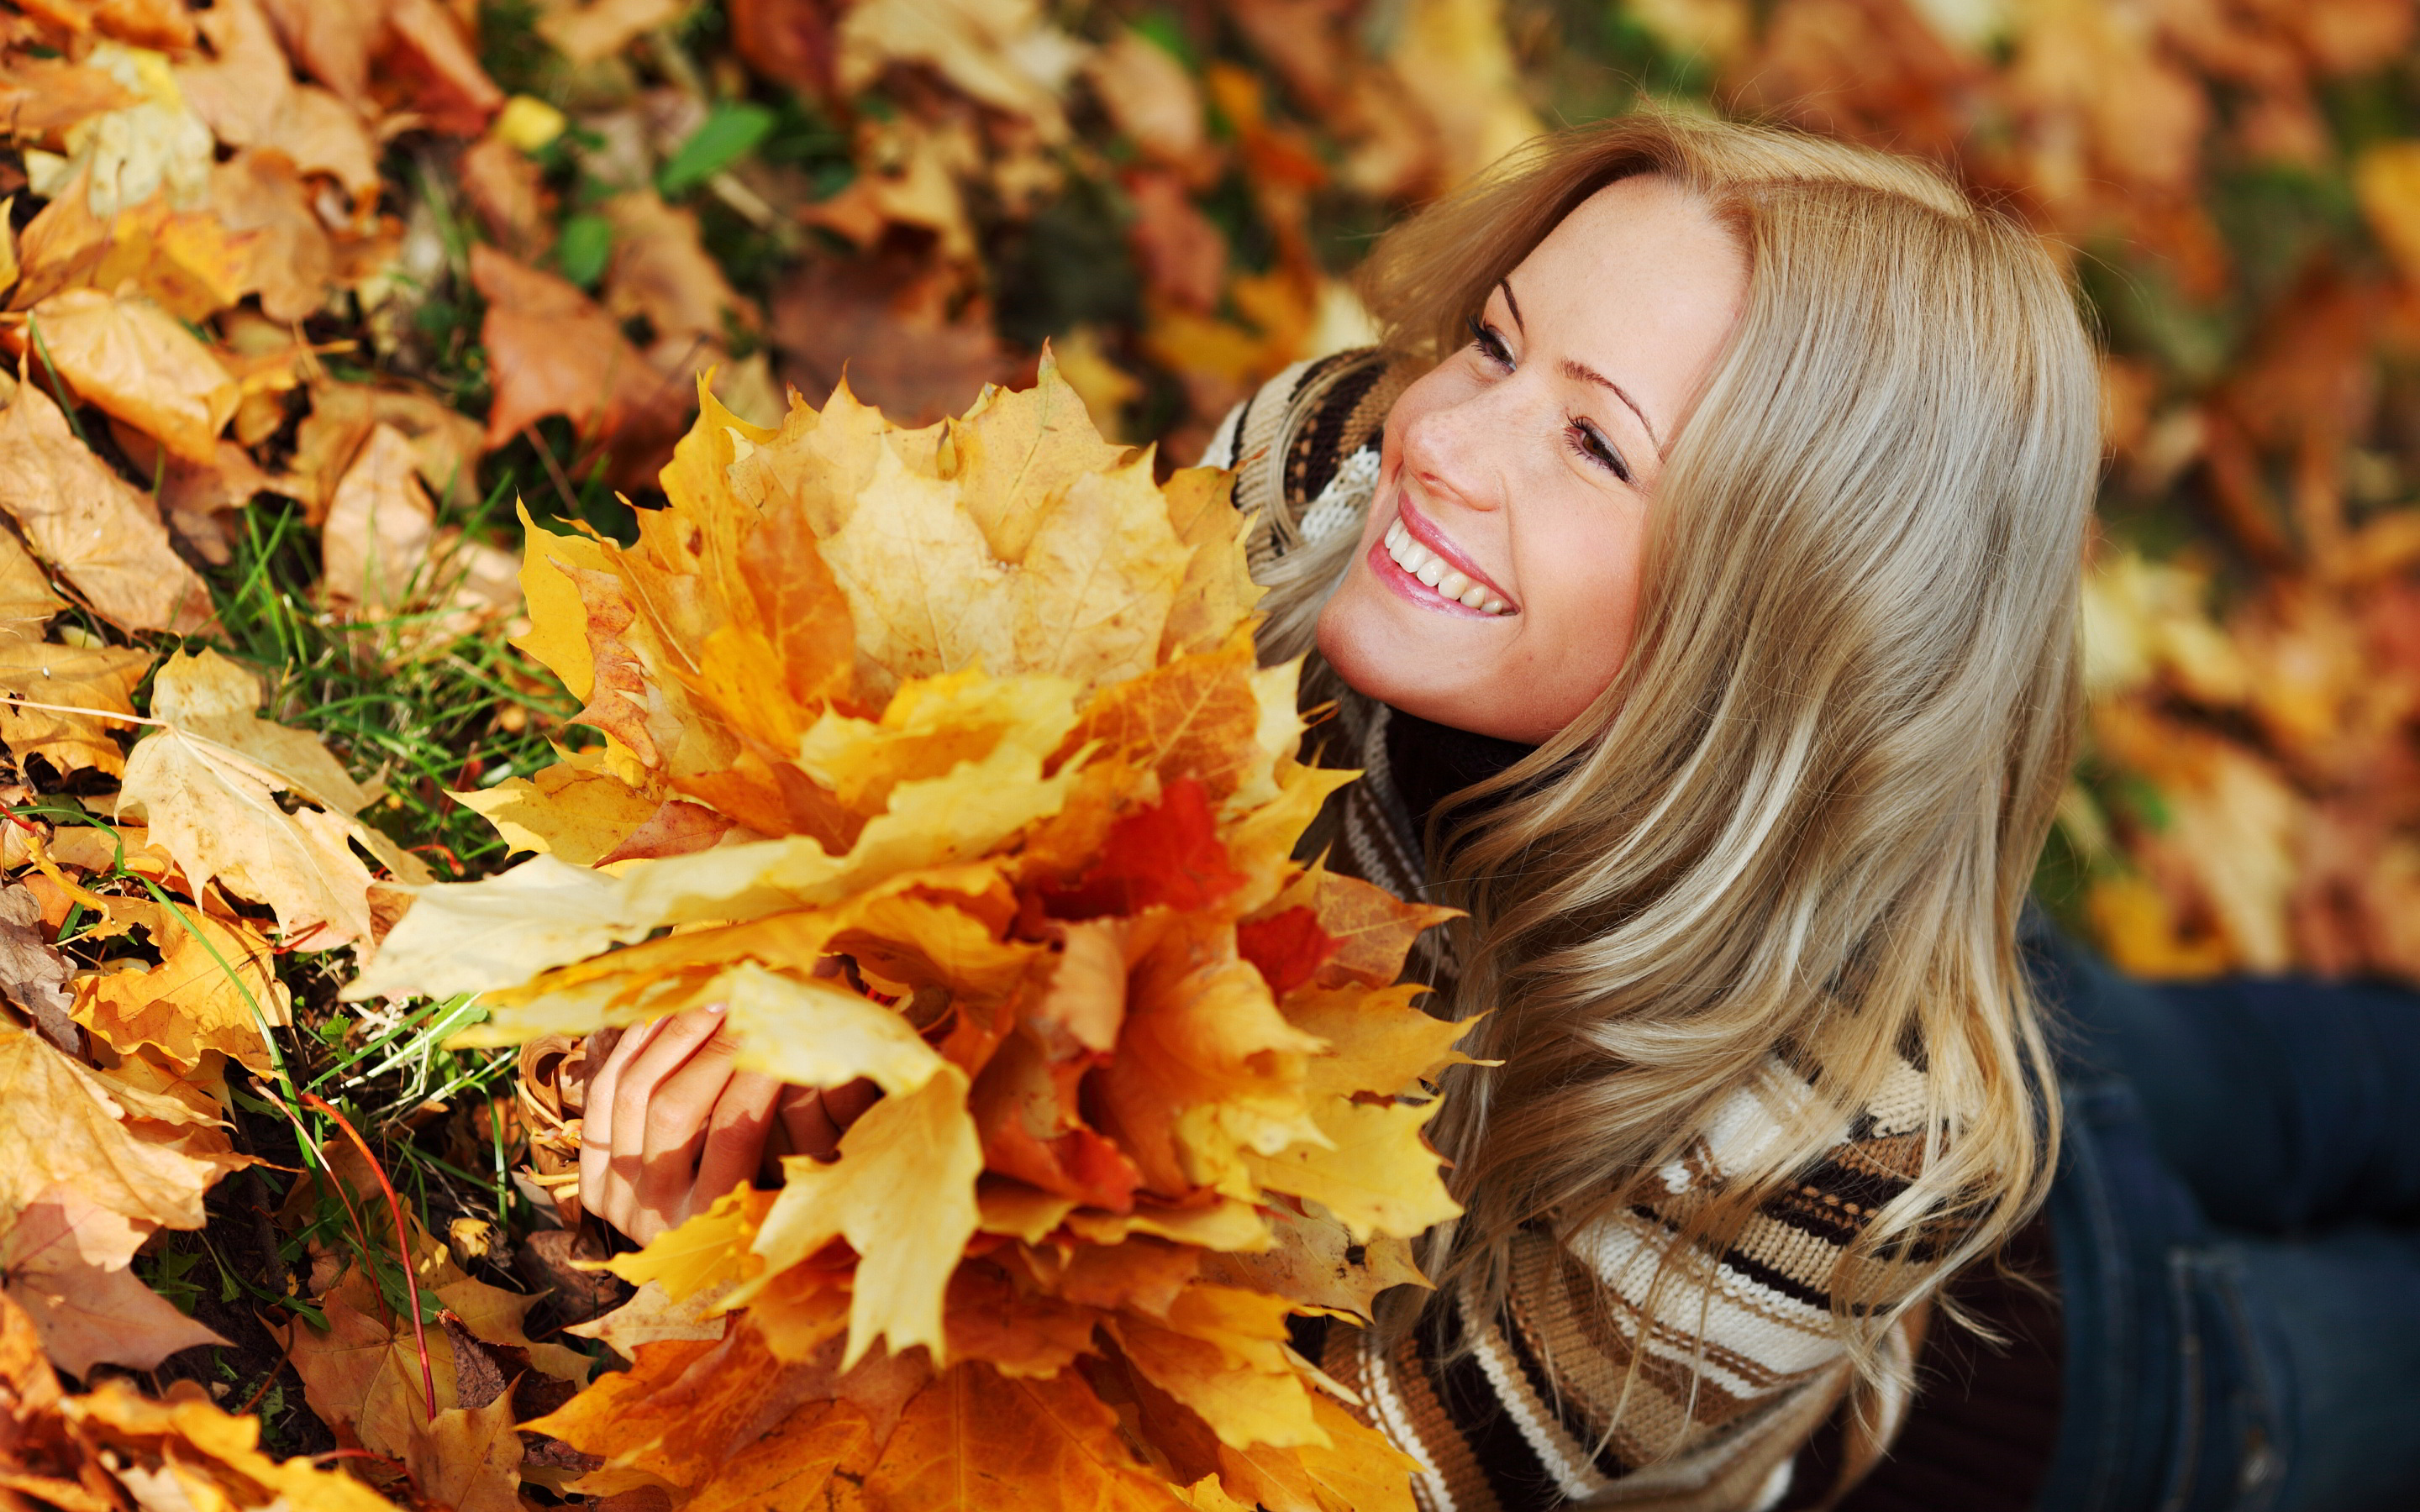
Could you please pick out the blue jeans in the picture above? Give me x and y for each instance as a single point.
(2237, 1227)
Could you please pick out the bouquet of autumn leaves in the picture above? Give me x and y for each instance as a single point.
(942, 758)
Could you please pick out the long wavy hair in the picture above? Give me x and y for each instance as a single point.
(1802, 819)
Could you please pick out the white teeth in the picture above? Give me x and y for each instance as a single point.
(1432, 569)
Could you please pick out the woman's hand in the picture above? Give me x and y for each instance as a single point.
(671, 1125)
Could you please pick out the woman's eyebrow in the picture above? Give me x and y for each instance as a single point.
(1513, 304)
(1589, 375)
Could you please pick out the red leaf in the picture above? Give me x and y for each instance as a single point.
(1288, 948)
(1165, 856)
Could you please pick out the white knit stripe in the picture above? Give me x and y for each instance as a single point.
(1394, 1420)
(1570, 1466)
(1341, 503)
(1781, 1335)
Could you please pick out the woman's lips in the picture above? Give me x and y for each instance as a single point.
(1415, 559)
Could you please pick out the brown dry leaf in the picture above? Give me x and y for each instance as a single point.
(25, 590)
(33, 975)
(468, 1459)
(431, 57)
(508, 190)
(1183, 255)
(91, 525)
(1153, 99)
(215, 989)
(662, 272)
(587, 30)
(292, 266)
(361, 1374)
(86, 1313)
(895, 327)
(332, 40)
(60, 246)
(100, 678)
(789, 41)
(1316, 1261)
(139, 362)
(1002, 53)
(374, 545)
(446, 441)
(553, 352)
(246, 92)
(207, 781)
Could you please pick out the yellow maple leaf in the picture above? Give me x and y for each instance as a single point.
(920, 1142)
(1369, 1166)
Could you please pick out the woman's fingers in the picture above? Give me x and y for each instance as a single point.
(734, 1136)
(635, 1077)
(807, 1128)
(597, 1126)
(847, 1104)
(673, 1132)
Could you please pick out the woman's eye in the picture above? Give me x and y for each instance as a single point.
(1490, 343)
(1590, 443)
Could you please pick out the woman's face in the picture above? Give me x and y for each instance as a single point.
(1498, 576)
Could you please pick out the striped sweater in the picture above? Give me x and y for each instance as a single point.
(1737, 1378)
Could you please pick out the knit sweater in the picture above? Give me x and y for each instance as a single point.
(1734, 1365)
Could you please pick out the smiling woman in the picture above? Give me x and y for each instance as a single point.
(1693, 572)
(1499, 574)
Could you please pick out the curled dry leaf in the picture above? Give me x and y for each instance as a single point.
(116, 1448)
(374, 545)
(91, 524)
(662, 272)
(33, 976)
(246, 90)
(508, 190)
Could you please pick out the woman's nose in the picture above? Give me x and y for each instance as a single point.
(1457, 450)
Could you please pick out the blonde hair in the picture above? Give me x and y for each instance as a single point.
(1804, 818)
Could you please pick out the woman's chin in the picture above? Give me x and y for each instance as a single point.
(1410, 666)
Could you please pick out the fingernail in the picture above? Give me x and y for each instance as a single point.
(716, 1008)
